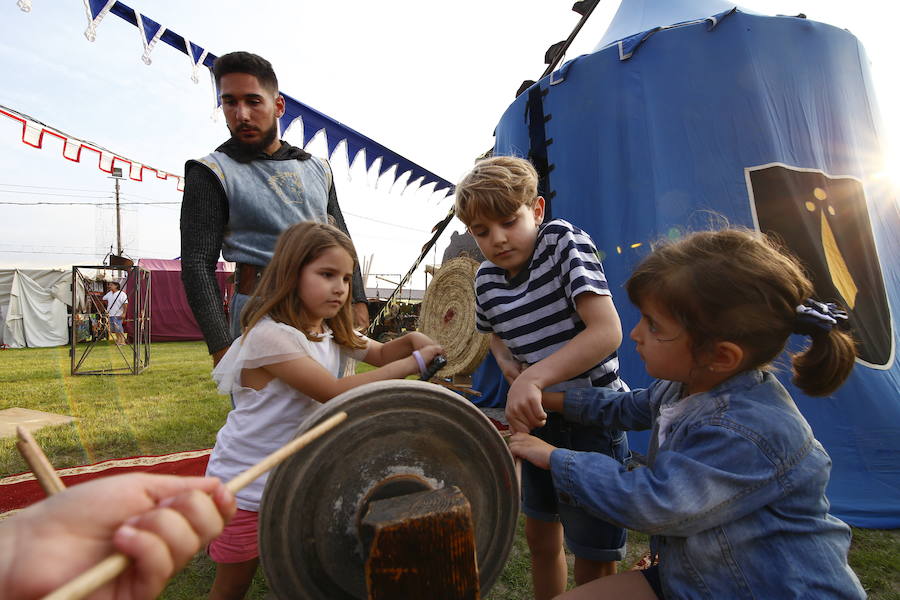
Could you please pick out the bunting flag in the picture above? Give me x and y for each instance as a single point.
(313, 121)
(151, 32)
(33, 132)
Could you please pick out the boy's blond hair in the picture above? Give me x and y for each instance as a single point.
(495, 188)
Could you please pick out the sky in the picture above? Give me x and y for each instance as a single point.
(429, 80)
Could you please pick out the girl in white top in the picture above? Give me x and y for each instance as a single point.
(297, 336)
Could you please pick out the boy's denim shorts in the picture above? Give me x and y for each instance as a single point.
(586, 536)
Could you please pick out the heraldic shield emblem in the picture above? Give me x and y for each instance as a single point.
(825, 222)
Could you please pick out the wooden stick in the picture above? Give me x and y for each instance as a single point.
(282, 453)
(113, 566)
(38, 462)
(458, 388)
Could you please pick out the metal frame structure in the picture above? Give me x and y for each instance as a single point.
(134, 354)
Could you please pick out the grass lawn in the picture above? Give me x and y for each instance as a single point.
(173, 406)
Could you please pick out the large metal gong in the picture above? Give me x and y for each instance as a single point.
(399, 437)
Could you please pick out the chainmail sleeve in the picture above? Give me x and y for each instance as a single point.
(204, 215)
(336, 217)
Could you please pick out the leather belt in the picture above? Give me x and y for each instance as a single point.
(246, 277)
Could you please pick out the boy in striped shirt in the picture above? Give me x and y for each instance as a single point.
(542, 295)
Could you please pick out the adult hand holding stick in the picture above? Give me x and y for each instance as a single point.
(166, 520)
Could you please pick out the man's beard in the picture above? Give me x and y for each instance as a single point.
(251, 150)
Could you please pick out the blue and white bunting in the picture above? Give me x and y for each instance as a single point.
(311, 119)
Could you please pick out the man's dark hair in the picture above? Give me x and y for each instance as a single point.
(249, 63)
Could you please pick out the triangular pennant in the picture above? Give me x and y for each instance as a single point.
(151, 32)
(353, 150)
(331, 142)
(385, 167)
(197, 55)
(308, 134)
(96, 10)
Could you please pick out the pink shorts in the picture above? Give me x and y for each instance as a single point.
(237, 542)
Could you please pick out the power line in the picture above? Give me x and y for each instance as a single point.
(91, 253)
(386, 223)
(106, 195)
(44, 187)
(126, 204)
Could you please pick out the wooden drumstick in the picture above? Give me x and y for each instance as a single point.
(38, 462)
(113, 566)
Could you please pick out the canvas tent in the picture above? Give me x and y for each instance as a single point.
(767, 122)
(33, 307)
(171, 319)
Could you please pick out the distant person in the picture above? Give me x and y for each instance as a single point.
(159, 521)
(298, 335)
(238, 199)
(734, 490)
(116, 307)
(542, 296)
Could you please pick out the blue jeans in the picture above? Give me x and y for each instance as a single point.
(234, 313)
(586, 536)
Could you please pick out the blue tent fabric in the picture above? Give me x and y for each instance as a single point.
(764, 122)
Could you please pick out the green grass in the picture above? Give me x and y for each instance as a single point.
(170, 407)
(173, 406)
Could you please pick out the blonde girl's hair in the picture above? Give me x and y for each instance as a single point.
(278, 292)
(495, 188)
(739, 286)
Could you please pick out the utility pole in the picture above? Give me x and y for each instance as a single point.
(117, 175)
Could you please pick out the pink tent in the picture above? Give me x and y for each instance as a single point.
(171, 319)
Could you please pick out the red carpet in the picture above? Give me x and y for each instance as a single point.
(18, 491)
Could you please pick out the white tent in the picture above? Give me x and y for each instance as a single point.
(33, 311)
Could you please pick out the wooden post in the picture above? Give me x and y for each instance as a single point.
(421, 545)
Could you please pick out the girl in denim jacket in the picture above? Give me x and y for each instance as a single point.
(733, 494)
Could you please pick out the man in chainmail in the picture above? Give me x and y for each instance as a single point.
(239, 198)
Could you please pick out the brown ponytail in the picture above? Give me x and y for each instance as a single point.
(825, 364)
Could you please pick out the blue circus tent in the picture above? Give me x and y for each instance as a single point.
(760, 121)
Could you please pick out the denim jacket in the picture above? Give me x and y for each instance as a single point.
(734, 497)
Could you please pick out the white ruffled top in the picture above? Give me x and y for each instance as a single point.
(264, 420)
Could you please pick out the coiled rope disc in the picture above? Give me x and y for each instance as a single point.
(448, 316)
(396, 432)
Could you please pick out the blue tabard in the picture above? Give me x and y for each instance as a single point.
(265, 197)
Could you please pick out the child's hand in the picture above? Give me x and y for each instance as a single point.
(427, 354)
(534, 450)
(430, 351)
(524, 411)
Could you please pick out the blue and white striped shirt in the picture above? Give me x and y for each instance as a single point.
(534, 312)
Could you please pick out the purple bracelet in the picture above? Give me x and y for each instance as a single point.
(420, 361)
